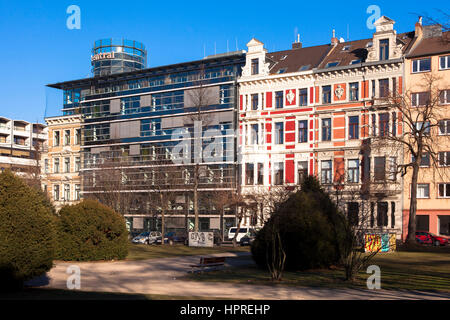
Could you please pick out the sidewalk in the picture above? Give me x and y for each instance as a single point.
(160, 276)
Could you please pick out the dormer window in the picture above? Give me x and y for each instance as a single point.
(255, 66)
(332, 64)
(282, 70)
(346, 48)
(384, 49)
(355, 61)
(304, 68)
(283, 57)
(369, 44)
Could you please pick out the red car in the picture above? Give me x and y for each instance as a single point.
(425, 237)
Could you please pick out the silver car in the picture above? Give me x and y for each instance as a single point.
(146, 237)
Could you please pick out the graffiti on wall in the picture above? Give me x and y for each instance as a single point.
(383, 242)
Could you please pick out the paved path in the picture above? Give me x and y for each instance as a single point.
(160, 276)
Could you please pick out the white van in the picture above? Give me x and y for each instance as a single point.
(242, 232)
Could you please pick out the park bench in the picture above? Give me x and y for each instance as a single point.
(209, 263)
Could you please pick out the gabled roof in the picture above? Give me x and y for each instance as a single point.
(293, 60)
(431, 46)
(358, 49)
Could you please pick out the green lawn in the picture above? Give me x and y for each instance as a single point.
(426, 271)
(143, 251)
(58, 294)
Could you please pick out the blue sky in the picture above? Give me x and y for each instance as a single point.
(38, 49)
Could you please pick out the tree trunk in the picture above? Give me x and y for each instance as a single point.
(196, 198)
(163, 222)
(411, 238)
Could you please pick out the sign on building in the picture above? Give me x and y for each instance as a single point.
(201, 239)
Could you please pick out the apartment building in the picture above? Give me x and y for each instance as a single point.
(21, 143)
(427, 79)
(61, 161)
(319, 111)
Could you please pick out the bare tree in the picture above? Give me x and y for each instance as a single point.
(200, 99)
(420, 120)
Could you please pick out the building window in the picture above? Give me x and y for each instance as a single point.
(373, 89)
(255, 101)
(66, 165)
(255, 66)
(394, 124)
(279, 133)
(383, 121)
(326, 129)
(260, 173)
(383, 88)
(423, 190)
(303, 131)
(56, 138)
(249, 174)
(353, 127)
(67, 192)
(444, 190)
(56, 165)
(77, 136)
(379, 168)
(444, 127)
(354, 91)
(392, 214)
(444, 96)
(384, 49)
(420, 99)
(382, 214)
(279, 99)
(56, 192)
(302, 171)
(326, 94)
(46, 166)
(444, 158)
(326, 172)
(332, 64)
(421, 65)
(392, 168)
(77, 164)
(66, 137)
(353, 171)
(303, 97)
(423, 127)
(77, 192)
(254, 134)
(278, 173)
(353, 213)
(425, 160)
(444, 62)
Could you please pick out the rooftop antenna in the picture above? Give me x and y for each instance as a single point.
(348, 33)
(237, 45)
(215, 51)
(298, 37)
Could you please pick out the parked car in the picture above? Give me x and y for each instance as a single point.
(141, 238)
(247, 240)
(425, 237)
(147, 237)
(173, 237)
(242, 232)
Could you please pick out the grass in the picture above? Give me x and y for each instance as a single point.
(143, 251)
(59, 294)
(424, 271)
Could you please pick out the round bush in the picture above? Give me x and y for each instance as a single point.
(91, 231)
(27, 231)
(311, 228)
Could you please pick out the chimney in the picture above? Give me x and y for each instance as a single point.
(334, 40)
(297, 44)
(418, 28)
